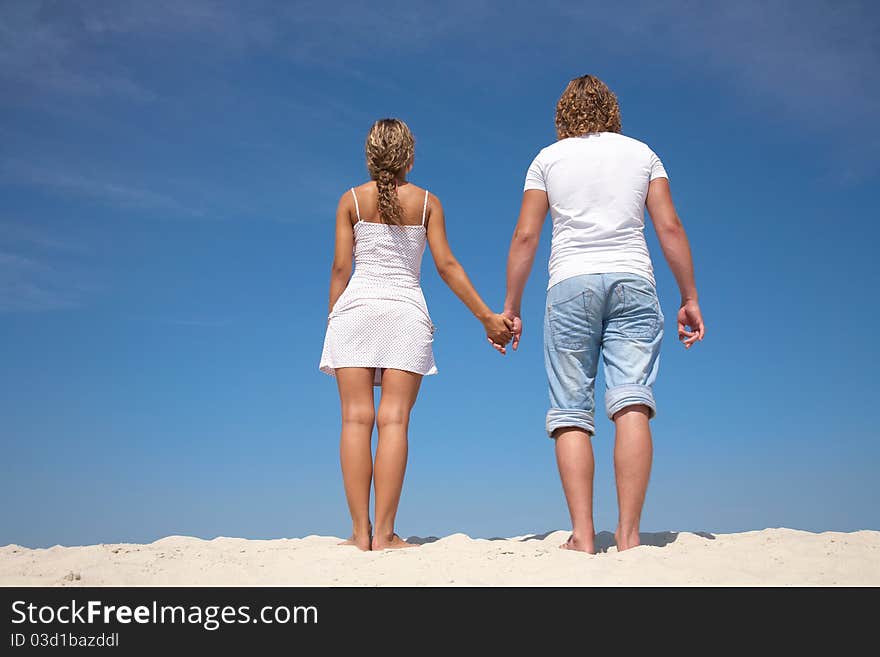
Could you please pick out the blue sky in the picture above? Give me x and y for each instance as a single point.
(168, 176)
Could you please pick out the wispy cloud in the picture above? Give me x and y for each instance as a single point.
(817, 64)
(788, 51)
(184, 322)
(38, 53)
(102, 190)
(14, 234)
(41, 271)
(61, 47)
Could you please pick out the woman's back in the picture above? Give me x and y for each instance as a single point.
(389, 255)
(410, 196)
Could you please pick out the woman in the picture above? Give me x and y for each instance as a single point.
(379, 332)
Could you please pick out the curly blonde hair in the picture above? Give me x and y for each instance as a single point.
(390, 150)
(587, 105)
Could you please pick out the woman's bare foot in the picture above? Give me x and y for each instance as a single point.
(626, 540)
(394, 542)
(579, 545)
(360, 540)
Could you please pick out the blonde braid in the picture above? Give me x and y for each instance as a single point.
(390, 150)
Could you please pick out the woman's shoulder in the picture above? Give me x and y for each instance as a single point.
(416, 190)
(419, 191)
(368, 186)
(359, 193)
(423, 199)
(423, 194)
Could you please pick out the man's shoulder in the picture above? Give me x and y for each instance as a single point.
(606, 138)
(579, 147)
(543, 152)
(551, 151)
(636, 145)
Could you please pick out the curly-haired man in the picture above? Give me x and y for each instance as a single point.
(601, 298)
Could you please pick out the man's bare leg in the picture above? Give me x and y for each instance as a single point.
(633, 452)
(574, 456)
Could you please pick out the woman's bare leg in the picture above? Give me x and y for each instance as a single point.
(399, 392)
(574, 456)
(633, 452)
(358, 412)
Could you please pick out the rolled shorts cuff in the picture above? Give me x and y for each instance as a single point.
(619, 397)
(569, 417)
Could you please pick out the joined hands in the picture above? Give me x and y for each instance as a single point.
(499, 335)
(499, 330)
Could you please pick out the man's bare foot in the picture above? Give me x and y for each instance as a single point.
(626, 541)
(394, 542)
(579, 545)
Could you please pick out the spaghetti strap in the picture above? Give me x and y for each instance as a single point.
(425, 208)
(356, 208)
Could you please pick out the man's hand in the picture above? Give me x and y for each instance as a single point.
(690, 324)
(517, 326)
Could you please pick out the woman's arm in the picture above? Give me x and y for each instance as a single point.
(676, 248)
(340, 272)
(453, 274)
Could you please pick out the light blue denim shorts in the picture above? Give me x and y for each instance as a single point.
(616, 315)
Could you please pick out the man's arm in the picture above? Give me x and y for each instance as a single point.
(522, 253)
(677, 250)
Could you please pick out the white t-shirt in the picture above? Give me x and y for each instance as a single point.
(596, 185)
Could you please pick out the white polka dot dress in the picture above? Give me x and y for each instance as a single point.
(381, 320)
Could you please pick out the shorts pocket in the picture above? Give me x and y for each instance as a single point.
(641, 316)
(568, 322)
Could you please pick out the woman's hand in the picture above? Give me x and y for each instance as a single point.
(499, 330)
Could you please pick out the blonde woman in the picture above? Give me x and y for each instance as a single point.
(379, 332)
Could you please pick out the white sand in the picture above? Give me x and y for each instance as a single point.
(768, 557)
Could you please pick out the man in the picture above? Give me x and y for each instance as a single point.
(601, 298)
